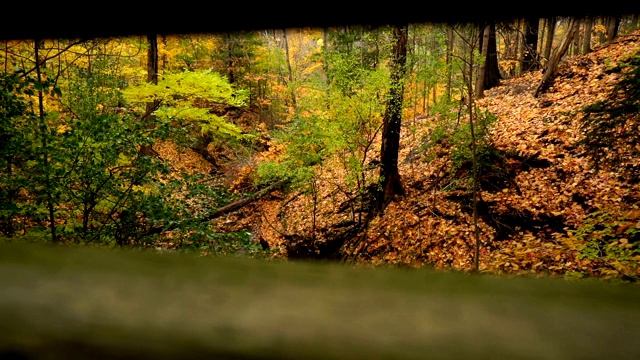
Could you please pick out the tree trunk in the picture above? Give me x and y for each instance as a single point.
(492, 75)
(152, 77)
(519, 45)
(163, 59)
(470, 108)
(392, 121)
(325, 50)
(44, 132)
(551, 30)
(586, 39)
(575, 48)
(612, 28)
(552, 66)
(484, 45)
(289, 70)
(230, 71)
(530, 59)
(450, 43)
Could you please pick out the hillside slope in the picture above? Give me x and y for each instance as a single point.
(538, 191)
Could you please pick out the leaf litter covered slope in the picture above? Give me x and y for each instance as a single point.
(523, 223)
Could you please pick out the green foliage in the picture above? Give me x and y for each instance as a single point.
(610, 125)
(353, 56)
(102, 179)
(345, 128)
(17, 125)
(610, 237)
(103, 191)
(186, 96)
(461, 152)
(454, 135)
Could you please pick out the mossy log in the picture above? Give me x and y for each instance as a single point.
(61, 302)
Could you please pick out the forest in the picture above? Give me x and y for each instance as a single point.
(500, 147)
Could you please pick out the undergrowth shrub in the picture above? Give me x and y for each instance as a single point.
(611, 238)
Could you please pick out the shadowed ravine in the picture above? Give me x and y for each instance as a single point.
(77, 303)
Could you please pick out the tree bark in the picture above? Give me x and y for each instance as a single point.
(530, 59)
(552, 66)
(152, 77)
(489, 72)
(480, 77)
(230, 71)
(612, 28)
(450, 43)
(289, 70)
(586, 39)
(577, 41)
(392, 121)
(44, 132)
(551, 30)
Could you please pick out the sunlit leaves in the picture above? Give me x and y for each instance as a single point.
(179, 95)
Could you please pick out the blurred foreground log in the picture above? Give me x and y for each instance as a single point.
(88, 303)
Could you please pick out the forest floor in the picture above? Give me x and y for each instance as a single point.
(539, 193)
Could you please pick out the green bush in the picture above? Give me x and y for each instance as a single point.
(611, 238)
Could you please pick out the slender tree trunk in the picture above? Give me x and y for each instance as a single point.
(163, 58)
(470, 109)
(325, 50)
(152, 77)
(289, 70)
(450, 43)
(392, 121)
(520, 49)
(551, 30)
(484, 46)
(586, 39)
(541, 41)
(230, 72)
(44, 130)
(574, 48)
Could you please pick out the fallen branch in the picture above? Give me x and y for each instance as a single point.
(229, 208)
(244, 201)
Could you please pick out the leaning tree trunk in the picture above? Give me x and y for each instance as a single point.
(552, 66)
(392, 121)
